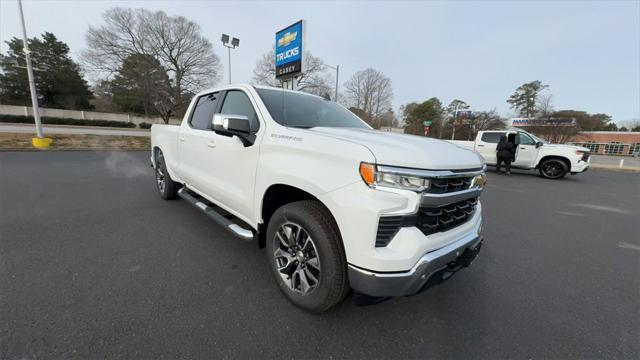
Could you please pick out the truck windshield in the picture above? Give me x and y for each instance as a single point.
(299, 110)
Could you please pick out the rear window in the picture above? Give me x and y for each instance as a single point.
(492, 137)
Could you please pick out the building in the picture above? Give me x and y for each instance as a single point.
(624, 143)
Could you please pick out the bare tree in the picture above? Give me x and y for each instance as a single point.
(174, 41)
(544, 105)
(488, 120)
(315, 79)
(369, 90)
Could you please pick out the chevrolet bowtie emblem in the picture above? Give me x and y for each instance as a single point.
(287, 38)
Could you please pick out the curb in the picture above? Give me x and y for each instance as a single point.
(614, 168)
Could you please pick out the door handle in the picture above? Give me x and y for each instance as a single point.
(211, 144)
(181, 138)
(480, 145)
(523, 148)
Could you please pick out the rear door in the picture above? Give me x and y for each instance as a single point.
(196, 144)
(486, 145)
(527, 151)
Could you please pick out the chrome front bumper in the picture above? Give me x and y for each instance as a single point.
(459, 253)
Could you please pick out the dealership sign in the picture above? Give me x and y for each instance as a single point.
(289, 48)
(552, 121)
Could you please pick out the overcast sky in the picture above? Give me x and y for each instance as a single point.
(588, 52)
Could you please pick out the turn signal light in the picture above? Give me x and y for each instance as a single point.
(368, 173)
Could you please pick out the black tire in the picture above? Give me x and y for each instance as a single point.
(325, 249)
(553, 169)
(167, 188)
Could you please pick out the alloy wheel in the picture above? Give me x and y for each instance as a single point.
(552, 169)
(296, 258)
(160, 178)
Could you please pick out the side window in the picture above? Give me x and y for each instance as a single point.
(524, 139)
(492, 137)
(203, 112)
(236, 102)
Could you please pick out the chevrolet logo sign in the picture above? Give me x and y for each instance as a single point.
(287, 38)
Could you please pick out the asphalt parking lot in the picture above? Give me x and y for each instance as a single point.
(93, 264)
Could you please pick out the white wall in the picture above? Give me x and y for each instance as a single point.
(81, 115)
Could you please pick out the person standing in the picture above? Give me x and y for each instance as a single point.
(506, 154)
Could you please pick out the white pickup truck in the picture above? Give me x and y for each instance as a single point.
(337, 204)
(553, 161)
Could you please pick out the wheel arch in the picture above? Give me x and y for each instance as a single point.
(278, 195)
(557, 157)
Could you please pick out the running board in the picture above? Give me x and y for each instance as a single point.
(234, 228)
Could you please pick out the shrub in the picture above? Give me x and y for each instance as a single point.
(20, 119)
(144, 125)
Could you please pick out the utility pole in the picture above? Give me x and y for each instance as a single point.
(32, 84)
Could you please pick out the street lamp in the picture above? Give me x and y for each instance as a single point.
(40, 141)
(337, 69)
(235, 42)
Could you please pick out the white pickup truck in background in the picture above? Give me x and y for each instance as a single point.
(337, 204)
(553, 161)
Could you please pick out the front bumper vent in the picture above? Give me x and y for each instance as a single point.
(388, 226)
(429, 220)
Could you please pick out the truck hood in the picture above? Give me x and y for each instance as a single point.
(571, 148)
(407, 150)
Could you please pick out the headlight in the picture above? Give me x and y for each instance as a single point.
(479, 180)
(373, 176)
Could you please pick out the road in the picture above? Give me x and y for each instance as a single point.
(62, 129)
(93, 264)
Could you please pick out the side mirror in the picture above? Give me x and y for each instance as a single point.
(234, 124)
(238, 125)
(539, 143)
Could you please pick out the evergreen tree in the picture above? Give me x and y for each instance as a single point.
(59, 82)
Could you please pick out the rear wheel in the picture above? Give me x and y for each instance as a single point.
(167, 188)
(553, 169)
(306, 256)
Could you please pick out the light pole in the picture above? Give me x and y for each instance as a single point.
(235, 42)
(337, 69)
(40, 141)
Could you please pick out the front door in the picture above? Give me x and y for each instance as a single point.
(232, 170)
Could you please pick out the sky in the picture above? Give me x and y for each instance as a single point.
(588, 52)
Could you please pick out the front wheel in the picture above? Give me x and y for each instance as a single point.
(553, 169)
(306, 256)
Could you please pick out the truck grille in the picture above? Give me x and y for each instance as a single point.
(427, 220)
(433, 220)
(451, 184)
